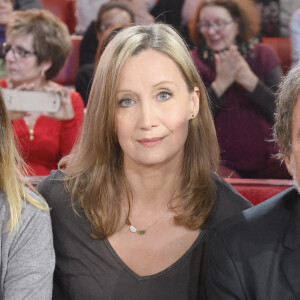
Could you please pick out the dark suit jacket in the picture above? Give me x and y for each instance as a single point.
(256, 254)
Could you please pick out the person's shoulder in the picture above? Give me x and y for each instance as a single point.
(228, 201)
(52, 187)
(30, 214)
(86, 69)
(267, 218)
(4, 211)
(264, 49)
(76, 100)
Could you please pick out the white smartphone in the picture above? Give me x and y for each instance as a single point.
(18, 100)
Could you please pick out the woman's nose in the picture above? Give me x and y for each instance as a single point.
(147, 118)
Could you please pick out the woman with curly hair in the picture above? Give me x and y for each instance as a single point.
(242, 76)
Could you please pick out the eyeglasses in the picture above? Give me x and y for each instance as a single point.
(18, 52)
(217, 25)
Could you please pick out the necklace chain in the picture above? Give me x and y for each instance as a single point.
(133, 229)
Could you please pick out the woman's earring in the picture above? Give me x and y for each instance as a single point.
(193, 116)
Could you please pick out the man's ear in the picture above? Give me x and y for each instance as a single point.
(289, 164)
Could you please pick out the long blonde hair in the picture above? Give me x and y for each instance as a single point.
(94, 169)
(13, 170)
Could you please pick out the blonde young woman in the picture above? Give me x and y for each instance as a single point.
(131, 211)
(26, 253)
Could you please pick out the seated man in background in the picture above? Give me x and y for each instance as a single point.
(256, 254)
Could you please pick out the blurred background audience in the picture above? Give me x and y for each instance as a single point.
(109, 14)
(27, 4)
(86, 72)
(6, 10)
(81, 18)
(37, 45)
(242, 76)
(295, 36)
(276, 15)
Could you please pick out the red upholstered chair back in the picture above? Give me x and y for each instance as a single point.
(282, 46)
(63, 9)
(259, 190)
(255, 190)
(67, 74)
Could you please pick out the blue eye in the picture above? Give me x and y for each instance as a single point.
(126, 102)
(163, 96)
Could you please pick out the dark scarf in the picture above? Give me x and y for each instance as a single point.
(243, 47)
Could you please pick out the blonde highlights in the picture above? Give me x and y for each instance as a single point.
(12, 179)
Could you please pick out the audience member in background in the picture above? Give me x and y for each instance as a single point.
(255, 255)
(109, 14)
(295, 36)
(141, 10)
(242, 77)
(86, 12)
(6, 9)
(27, 4)
(26, 254)
(276, 15)
(85, 74)
(170, 12)
(36, 48)
(131, 210)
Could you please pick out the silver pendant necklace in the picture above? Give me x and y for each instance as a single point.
(133, 229)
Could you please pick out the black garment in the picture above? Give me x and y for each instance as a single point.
(169, 12)
(84, 81)
(256, 254)
(28, 4)
(88, 46)
(88, 268)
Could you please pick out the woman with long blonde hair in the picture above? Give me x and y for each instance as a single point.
(131, 211)
(27, 255)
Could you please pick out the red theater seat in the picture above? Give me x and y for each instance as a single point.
(255, 190)
(67, 74)
(63, 9)
(259, 190)
(282, 46)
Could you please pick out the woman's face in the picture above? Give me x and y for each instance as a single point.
(217, 27)
(6, 9)
(21, 62)
(153, 110)
(112, 17)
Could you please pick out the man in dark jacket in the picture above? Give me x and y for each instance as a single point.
(256, 254)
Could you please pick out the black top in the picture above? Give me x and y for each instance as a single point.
(84, 80)
(88, 268)
(256, 254)
(88, 46)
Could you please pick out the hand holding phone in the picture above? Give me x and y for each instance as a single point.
(26, 101)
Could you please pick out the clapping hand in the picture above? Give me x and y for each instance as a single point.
(226, 69)
(232, 67)
(244, 75)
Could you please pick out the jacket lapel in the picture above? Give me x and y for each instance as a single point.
(291, 262)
